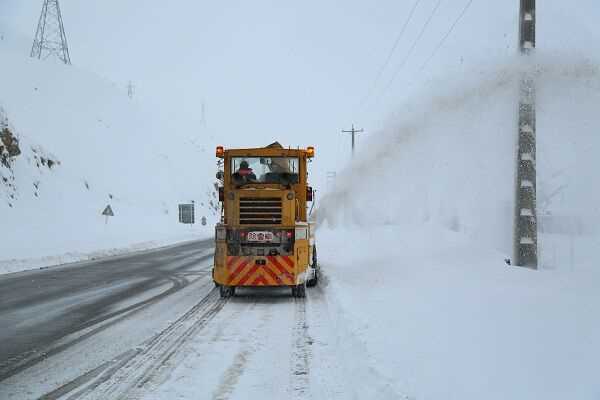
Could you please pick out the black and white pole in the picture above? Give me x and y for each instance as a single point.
(525, 238)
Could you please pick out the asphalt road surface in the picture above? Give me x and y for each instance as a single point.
(152, 326)
(46, 312)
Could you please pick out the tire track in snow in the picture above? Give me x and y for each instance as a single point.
(233, 373)
(301, 353)
(124, 376)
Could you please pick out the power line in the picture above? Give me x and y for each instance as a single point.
(412, 48)
(441, 43)
(391, 53)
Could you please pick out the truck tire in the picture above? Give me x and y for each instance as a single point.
(226, 291)
(314, 281)
(299, 291)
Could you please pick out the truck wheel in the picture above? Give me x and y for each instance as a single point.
(299, 291)
(226, 291)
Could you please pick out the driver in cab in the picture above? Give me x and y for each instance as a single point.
(279, 166)
(244, 173)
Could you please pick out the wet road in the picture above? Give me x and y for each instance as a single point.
(39, 308)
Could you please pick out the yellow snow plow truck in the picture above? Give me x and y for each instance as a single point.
(265, 237)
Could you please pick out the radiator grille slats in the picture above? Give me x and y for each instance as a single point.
(260, 211)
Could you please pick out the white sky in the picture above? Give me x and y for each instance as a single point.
(277, 70)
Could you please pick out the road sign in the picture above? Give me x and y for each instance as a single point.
(108, 212)
(186, 213)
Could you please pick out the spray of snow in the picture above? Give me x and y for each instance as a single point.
(448, 157)
(412, 240)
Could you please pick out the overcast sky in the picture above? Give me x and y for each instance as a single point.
(273, 69)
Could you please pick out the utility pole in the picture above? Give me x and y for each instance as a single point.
(353, 132)
(50, 38)
(525, 237)
(130, 89)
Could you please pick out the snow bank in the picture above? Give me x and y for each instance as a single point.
(106, 149)
(436, 317)
(24, 264)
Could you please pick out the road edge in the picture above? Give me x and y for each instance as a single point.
(98, 255)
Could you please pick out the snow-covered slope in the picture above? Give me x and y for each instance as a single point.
(107, 149)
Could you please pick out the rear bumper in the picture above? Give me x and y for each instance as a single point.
(259, 271)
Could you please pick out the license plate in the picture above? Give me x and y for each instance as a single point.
(260, 236)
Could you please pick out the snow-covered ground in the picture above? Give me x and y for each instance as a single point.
(424, 314)
(435, 316)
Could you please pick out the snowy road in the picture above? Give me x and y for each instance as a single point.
(152, 326)
(57, 323)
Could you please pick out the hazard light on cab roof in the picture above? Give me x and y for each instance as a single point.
(310, 152)
(220, 152)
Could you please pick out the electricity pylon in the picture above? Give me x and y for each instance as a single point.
(50, 38)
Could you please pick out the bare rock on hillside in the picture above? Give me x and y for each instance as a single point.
(9, 147)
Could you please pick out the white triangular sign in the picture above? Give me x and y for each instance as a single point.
(108, 211)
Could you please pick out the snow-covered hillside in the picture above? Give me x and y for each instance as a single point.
(106, 149)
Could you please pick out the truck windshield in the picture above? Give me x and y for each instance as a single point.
(278, 170)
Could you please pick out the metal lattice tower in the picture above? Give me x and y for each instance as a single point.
(526, 240)
(50, 38)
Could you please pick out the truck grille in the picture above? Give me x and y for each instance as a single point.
(260, 211)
